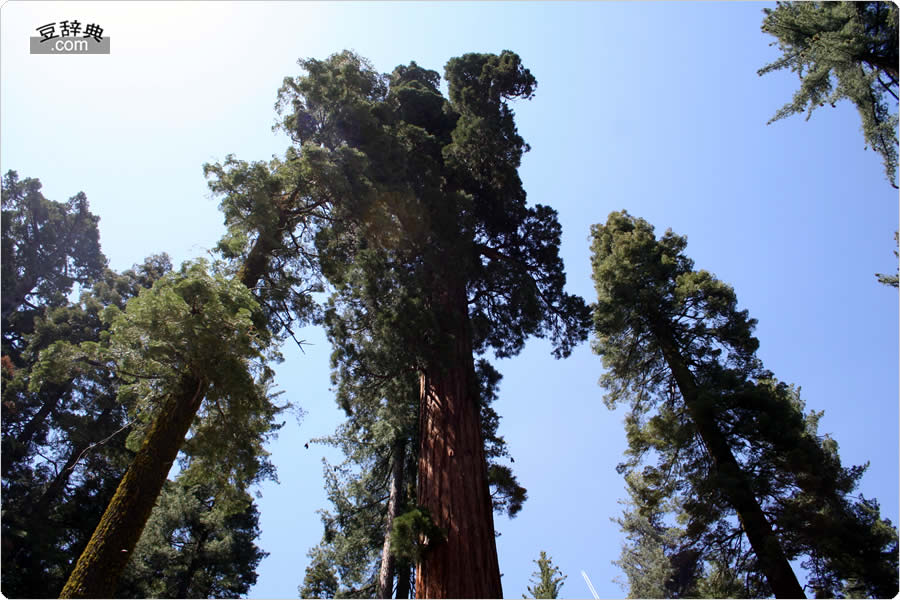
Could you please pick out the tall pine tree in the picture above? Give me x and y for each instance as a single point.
(731, 440)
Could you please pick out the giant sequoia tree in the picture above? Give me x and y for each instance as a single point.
(731, 441)
(363, 549)
(431, 202)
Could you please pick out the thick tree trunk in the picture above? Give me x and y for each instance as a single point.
(772, 560)
(395, 501)
(452, 473)
(97, 571)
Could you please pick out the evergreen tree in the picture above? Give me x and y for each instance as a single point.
(842, 50)
(200, 336)
(731, 441)
(359, 532)
(547, 580)
(59, 480)
(198, 543)
(47, 248)
(429, 202)
(660, 559)
(191, 335)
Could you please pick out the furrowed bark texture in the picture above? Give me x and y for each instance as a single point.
(772, 560)
(388, 561)
(452, 473)
(97, 572)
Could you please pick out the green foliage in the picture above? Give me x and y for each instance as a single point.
(195, 546)
(47, 248)
(270, 211)
(842, 50)
(891, 280)
(63, 442)
(547, 580)
(320, 580)
(110, 361)
(413, 533)
(645, 554)
(648, 291)
(412, 197)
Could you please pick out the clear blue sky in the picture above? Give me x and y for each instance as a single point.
(652, 107)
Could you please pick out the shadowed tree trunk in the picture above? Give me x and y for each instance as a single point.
(388, 561)
(769, 553)
(188, 577)
(452, 473)
(403, 573)
(97, 571)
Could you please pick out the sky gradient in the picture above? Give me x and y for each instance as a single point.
(651, 107)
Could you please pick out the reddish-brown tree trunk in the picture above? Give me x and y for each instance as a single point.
(97, 571)
(452, 472)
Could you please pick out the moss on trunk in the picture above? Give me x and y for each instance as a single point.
(97, 571)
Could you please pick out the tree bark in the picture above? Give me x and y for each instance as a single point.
(452, 473)
(97, 571)
(388, 561)
(766, 545)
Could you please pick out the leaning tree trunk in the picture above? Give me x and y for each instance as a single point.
(395, 501)
(97, 571)
(766, 545)
(452, 472)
